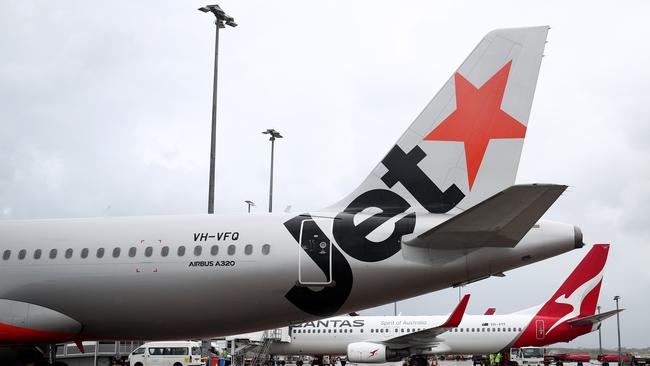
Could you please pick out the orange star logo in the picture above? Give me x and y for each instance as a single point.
(478, 118)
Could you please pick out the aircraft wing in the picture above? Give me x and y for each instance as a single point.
(500, 221)
(593, 319)
(428, 336)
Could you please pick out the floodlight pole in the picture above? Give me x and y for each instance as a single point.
(249, 203)
(618, 329)
(220, 18)
(271, 180)
(600, 340)
(274, 134)
(213, 131)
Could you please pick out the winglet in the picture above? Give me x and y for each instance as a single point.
(80, 345)
(490, 311)
(454, 319)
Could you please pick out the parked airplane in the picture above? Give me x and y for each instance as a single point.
(440, 209)
(569, 313)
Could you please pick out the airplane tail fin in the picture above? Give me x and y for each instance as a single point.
(465, 145)
(576, 299)
(581, 289)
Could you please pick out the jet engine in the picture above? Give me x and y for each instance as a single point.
(367, 352)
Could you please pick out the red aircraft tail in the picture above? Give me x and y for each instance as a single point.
(576, 298)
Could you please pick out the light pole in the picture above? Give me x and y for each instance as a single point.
(600, 340)
(274, 134)
(221, 18)
(249, 203)
(618, 329)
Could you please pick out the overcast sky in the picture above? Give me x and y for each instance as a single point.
(105, 110)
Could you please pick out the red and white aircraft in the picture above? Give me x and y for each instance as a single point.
(569, 313)
(440, 209)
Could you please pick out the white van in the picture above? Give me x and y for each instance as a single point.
(178, 353)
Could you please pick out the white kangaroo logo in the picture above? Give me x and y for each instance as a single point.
(576, 298)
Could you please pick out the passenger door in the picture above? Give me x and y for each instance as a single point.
(315, 253)
(539, 329)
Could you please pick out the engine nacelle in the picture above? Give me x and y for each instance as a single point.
(367, 352)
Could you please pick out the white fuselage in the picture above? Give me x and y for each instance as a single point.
(476, 334)
(138, 294)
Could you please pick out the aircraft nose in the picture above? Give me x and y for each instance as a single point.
(578, 237)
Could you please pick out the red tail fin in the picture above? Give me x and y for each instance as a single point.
(577, 297)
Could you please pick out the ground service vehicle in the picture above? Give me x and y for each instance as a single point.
(527, 356)
(178, 353)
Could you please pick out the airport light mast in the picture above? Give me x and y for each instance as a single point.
(618, 330)
(600, 340)
(274, 134)
(221, 19)
(249, 203)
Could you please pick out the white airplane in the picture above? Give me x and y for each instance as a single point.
(569, 313)
(440, 209)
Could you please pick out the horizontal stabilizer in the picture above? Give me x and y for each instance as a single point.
(499, 221)
(593, 319)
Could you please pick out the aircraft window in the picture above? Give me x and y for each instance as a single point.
(37, 254)
(266, 249)
(197, 250)
(214, 250)
(461, 329)
(361, 330)
(6, 255)
(53, 253)
(520, 329)
(22, 254)
(68, 253)
(248, 249)
(116, 252)
(509, 329)
(181, 251)
(231, 249)
(164, 251)
(493, 330)
(84, 253)
(329, 331)
(100, 253)
(148, 251)
(372, 330)
(132, 251)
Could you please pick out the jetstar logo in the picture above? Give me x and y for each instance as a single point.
(352, 237)
(372, 353)
(478, 118)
